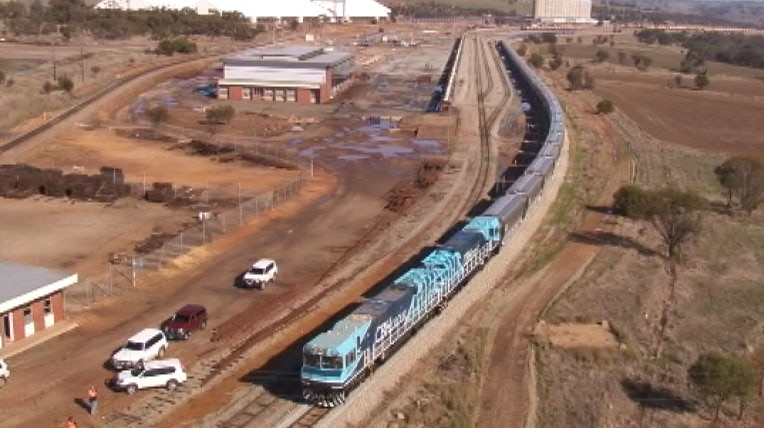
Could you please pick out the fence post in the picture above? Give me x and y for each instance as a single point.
(204, 230)
(133, 268)
(241, 208)
(181, 242)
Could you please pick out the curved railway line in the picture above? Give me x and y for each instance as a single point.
(303, 415)
(252, 410)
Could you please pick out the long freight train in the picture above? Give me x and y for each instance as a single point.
(334, 362)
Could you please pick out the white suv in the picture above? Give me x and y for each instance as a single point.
(154, 374)
(146, 345)
(5, 373)
(262, 272)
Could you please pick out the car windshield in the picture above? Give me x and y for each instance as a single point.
(257, 271)
(331, 362)
(136, 371)
(134, 346)
(180, 318)
(311, 360)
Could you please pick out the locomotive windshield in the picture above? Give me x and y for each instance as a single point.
(311, 360)
(331, 362)
(323, 362)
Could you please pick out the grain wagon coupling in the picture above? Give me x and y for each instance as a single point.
(337, 360)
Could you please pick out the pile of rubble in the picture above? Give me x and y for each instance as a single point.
(428, 171)
(400, 198)
(23, 181)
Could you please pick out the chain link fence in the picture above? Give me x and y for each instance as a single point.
(128, 271)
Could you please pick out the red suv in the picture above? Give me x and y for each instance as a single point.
(185, 321)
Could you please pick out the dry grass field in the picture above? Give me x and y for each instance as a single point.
(584, 379)
(677, 136)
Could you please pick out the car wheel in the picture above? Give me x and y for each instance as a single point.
(160, 354)
(186, 335)
(139, 364)
(131, 389)
(204, 325)
(172, 385)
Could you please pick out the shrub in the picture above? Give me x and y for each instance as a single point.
(48, 87)
(579, 78)
(555, 63)
(522, 50)
(632, 201)
(65, 83)
(536, 60)
(602, 55)
(701, 81)
(605, 107)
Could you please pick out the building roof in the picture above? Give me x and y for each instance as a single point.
(22, 284)
(289, 57)
(262, 8)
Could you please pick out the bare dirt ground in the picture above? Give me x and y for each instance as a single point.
(722, 118)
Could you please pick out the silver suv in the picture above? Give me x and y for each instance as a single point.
(146, 345)
(5, 373)
(154, 374)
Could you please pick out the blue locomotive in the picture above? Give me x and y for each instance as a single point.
(335, 361)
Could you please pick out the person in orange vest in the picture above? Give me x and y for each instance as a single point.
(93, 399)
(70, 423)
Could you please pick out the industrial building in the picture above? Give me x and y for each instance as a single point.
(563, 11)
(303, 74)
(299, 10)
(31, 300)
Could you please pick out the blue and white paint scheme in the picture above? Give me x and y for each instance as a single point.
(334, 362)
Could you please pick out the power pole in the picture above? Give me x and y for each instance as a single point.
(82, 62)
(54, 63)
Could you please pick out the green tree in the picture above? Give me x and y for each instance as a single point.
(158, 115)
(602, 55)
(701, 81)
(48, 87)
(675, 216)
(718, 378)
(549, 38)
(642, 62)
(742, 176)
(536, 60)
(605, 107)
(216, 116)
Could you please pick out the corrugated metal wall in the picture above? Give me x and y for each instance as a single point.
(271, 74)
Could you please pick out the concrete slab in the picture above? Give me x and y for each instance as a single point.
(10, 349)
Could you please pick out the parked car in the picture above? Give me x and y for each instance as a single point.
(146, 345)
(5, 373)
(167, 373)
(186, 320)
(262, 272)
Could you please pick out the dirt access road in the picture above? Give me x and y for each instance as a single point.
(508, 391)
(49, 378)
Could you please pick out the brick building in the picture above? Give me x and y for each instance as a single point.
(31, 300)
(302, 74)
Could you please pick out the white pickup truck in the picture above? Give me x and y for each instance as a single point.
(5, 373)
